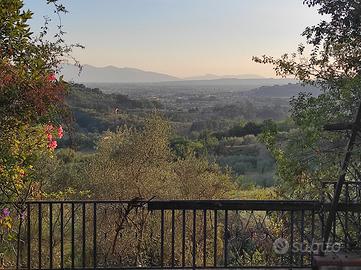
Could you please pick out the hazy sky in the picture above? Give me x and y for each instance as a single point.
(182, 37)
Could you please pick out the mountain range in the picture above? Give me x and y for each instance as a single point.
(112, 74)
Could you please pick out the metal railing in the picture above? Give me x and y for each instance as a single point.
(175, 234)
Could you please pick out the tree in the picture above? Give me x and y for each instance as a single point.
(310, 154)
(32, 107)
(141, 163)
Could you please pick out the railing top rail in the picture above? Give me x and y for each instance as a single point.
(250, 205)
(78, 201)
(257, 205)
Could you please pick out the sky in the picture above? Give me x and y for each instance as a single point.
(181, 37)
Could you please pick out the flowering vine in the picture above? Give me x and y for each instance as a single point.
(51, 135)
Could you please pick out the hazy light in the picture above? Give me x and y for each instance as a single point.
(182, 37)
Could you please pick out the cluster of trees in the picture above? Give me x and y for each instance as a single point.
(252, 111)
(311, 155)
(136, 163)
(86, 98)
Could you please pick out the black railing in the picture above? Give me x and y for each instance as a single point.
(233, 234)
(348, 221)
(175, 234)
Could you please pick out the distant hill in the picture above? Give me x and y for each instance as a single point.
(111, 74)
(243, 84)
(114, 75)
(94, 111)
(216, 77)
(287, 91)
(191, 86)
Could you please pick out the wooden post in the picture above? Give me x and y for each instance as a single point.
(336, 197)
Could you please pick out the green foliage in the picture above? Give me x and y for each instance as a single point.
(32, 108)
(248, 129)
(184, 147)
(88, 98)
(139, 163)
(30, 96)
(311, 155)
(249, 161)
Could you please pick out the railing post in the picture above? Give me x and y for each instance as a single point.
(95, 235)
(173, 239)
(183, 237)
(51, 235)
(215, 238)
(204, 238)
(83, 235)
(162, 238)
(225, 237)
(40, 236)
(194, 239)
(62, 235)
(291, 243)
(72, 235)
(28, 215)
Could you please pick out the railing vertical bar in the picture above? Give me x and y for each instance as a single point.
(215, 238)
(51, 235)
(291, 244)
(95, 235)
(162, 238)
(152, 257)
(72, 235)
(194, 239)
(302, 234)
(283, 259)
(346, 215)
(173, 237)
(183, 237)
(204, 238)
(334, 228)
(225, 238)
(62, 235)
(40, 228)
(358, 200)
(322, 219)
(334, 219)
(312, 230)
(83, 235)
(28, 214)
(105, 237)
(359, 226)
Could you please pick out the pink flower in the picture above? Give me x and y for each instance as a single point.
(51, 77)
(60, 132)
(50, 137)
(52, 145)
